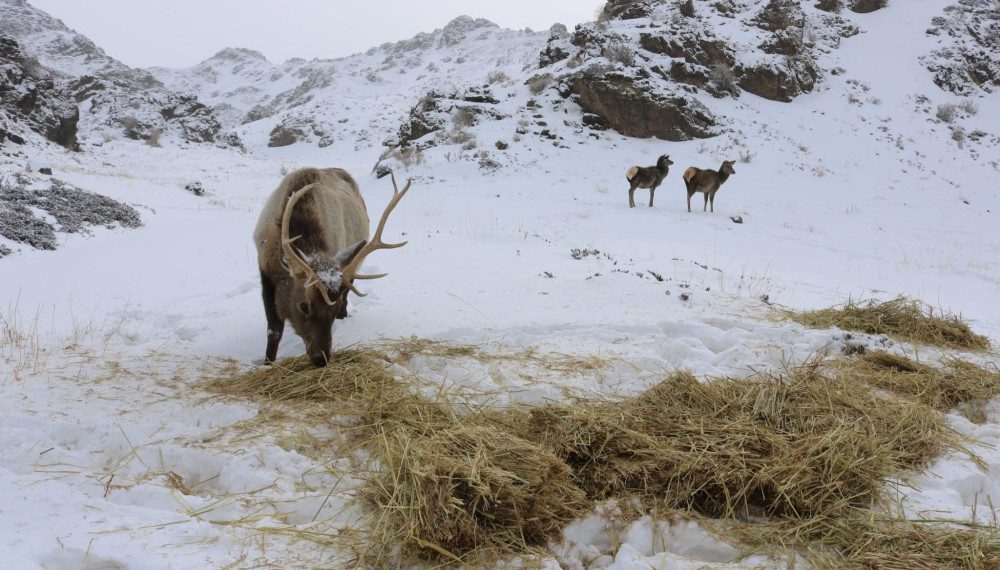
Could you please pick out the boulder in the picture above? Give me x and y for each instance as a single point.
(866, 6)
(633, 108)
(779, 82)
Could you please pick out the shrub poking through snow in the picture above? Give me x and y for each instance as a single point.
(497, 76)
(619, 53)
(806, 452)
(538, 83)
(947, 112)
(722, 77)
(901, 318)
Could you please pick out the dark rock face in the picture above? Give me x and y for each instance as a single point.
(424, 119)
(633, 108)
(32, 99)
(830, 5)
(866, 6)
(779, 82)
(694, 49)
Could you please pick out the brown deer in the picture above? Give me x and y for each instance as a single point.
(306, 278)
(647, 177)
(707, 182)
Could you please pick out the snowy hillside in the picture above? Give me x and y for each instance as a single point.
(115, 100)
(360, 99)
(866, 166)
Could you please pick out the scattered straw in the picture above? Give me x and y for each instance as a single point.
(954, 383)
(902, 318)
(350, 372)
(808, 452)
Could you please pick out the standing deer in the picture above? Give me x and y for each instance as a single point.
(308, 283)
(647, 177)
(707, 182)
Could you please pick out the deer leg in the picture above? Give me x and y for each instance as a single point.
(275, 324)
(631, 197)
(690, 193)
(342, 313)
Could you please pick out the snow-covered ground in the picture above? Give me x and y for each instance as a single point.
(111, 458)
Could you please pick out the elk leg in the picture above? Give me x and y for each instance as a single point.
(690, 193)
(631, 197)
(275, 324)
(342, 313)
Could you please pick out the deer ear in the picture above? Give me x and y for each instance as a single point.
(347, 255)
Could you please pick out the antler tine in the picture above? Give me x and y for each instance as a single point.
(376, 242)
(296, 265)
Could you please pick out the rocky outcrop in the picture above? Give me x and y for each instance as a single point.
(635, 108)
(779, 82)
(969, 61)
(866, 6)
(32, 99)
(434, 111)
(627, 9)
(294, 128)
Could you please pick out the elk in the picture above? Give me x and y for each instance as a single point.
(312, 238)
(707, 182)
(647, 177)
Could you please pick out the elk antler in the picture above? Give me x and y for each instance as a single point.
(376, 243)
(297, 267)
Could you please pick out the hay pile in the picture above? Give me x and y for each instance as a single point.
(905, 319)
(797, 444)
(805, 453)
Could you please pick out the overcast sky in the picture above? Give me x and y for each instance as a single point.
(180, 33)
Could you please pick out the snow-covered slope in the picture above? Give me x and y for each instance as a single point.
(361, 98)
(867, 184)
(115, 99)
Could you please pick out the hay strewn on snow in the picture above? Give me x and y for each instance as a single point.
(955, 383)
(902, 318)
(806, 453)
(797, 444)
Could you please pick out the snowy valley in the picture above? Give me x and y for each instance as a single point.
(867, 154)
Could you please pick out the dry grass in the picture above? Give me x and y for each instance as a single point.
(864, 542)
(799, 444)
(444, 485)
(955, 383)
(807, 453)
(901, 318)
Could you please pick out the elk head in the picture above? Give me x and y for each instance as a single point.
(321, 281)
(727, 167)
